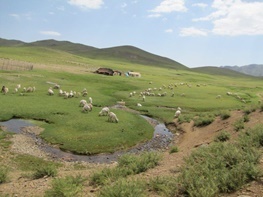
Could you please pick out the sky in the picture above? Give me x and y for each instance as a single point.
(195, 33)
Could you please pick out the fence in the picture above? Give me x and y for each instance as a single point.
(7, 64)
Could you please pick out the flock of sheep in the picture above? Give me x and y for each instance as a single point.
(86, 106)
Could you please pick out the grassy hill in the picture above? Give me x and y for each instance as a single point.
(128, 54)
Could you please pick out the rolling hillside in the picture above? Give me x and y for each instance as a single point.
(121, 53)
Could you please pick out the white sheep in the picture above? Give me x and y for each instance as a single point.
(50, 91)
(139, 104)
(4, 90)
(143, 98)
(87, 107)
(82, 103)
(90, 100)
(113, 117)
(104, 111)
(56, 86)
(177, 113)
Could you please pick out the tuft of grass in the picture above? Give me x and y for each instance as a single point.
(164, 185)
(128, 164)
(123, 188)
(3, 174)
(203, 121)
(224, 115)
(222, 136)
(239, 124)
(30, 163)
(246, 118)
(66, 187)
(174, 149)
(49, 170)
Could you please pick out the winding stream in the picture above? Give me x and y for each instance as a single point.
(161, 139)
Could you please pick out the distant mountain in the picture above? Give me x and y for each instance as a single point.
(211, 70)
(4, 42)
(252, 69)
(120, 53)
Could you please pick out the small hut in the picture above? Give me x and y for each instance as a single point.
(105, 71)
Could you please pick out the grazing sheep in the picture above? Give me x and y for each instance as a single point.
(104, 111)
(139, 104)
(87, 107)
(82, 103)
(90, 100)
(50, 91)
(4, 90)
(143, 98)
(113, 117)
(56, 86)
(177, 113)
(30, 89)
(218, 96)
(18, 86)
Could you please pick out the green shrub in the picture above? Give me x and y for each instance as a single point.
(203, 121)
(3, 174)
(49, 170)
(222, 136)
(174, 149)
(66, 187)
(246, 118)
(239, 124)
(139, 163)
(128, 164)
(124, 188)
(225, 115)
(164, 186)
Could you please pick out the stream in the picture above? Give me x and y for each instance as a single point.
(161, 139)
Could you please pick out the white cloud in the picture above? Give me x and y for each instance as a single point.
(236, 17)
(192, 31)
(242, 18)
(168, 6)
(169, 30)
(201, 5)
(50, 33)
(154, 15)
(16, 16)
(87, 4)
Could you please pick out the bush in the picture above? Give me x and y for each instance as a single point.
(203, 121)
(246, 118)
(128, 164)
(174, 149)
(49, 170)
(66, 187)
(124, 188)
(225, 115)
(3, 174)
(239, 124)
(222, 137)
(163, 186)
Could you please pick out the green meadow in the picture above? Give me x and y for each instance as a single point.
(66, 126)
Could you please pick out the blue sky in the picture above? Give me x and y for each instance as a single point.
(193, 32)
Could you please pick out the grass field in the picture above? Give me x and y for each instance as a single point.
(87, 133)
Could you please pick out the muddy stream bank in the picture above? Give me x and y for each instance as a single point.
(29, 140)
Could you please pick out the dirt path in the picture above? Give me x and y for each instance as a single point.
(187, 138)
